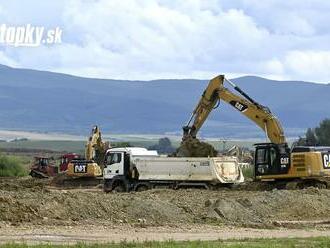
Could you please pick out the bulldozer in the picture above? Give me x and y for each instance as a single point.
(44, 167)
(274, 161)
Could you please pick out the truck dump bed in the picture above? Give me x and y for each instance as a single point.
(215, 170)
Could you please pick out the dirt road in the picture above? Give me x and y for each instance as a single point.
(100, 234)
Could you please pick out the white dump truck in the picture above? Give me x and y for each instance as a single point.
(137, 169)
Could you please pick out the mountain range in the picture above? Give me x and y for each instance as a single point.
(42, 101)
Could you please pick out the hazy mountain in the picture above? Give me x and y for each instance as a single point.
(46, 101)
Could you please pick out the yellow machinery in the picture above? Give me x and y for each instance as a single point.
(91, 165)
(274, 161)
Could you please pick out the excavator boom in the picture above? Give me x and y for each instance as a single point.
(216, 92)
(95, 147)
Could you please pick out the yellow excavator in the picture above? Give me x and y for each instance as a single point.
(86, 171)
(275, 162)
(91, 165)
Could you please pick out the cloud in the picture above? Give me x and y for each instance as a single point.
(5, 60)
(309, 64)
(35, 12)
(179, 39)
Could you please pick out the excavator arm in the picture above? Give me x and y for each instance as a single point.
(95, 144)
(216, 92)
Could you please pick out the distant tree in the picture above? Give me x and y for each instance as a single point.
(164, 142)
(320, 136)
(323, 133)
(301, 141)
(164, 146)
(311, 139)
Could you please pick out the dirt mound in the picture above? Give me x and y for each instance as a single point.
(22, 183)
(43, 205)
(267, 208)
(67, 206)
(195, 148)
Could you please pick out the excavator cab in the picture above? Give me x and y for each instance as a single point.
(271, 159)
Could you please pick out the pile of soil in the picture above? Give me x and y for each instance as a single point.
(192, 147)
(23, 183)
(22, 203)
(271, 207)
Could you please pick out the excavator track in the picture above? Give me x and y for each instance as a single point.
(64, 181)
(37, 174)
(296, 184)
(321, 183)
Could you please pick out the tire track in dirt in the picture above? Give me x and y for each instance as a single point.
(102, 234)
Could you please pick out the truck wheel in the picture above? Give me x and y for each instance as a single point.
(142, 188)
(232, 185)
(119, 188)
(106, 189)
(106, 186)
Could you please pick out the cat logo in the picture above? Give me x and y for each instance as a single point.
(284, 161)
(239, 106)
(326, 161)
(80, 168)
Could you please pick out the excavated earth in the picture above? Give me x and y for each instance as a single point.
(32, 201)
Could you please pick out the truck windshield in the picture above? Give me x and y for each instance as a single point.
(114, 158)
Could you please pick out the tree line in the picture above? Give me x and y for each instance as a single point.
(318, 136)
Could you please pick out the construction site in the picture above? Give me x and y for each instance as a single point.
(164, 124)
(115, 193)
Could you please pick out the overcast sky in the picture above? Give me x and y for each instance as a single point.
(126, 39)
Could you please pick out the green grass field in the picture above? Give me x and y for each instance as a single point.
(54, 145)
(320, 242)
(78, 146)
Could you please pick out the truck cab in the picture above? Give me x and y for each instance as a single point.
(115, 164)
(118, 160)
(119, 166)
